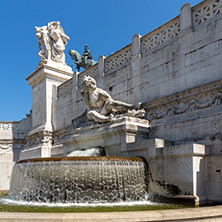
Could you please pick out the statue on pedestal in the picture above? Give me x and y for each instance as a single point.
(102, 108)
(85, 60)
(52, 41)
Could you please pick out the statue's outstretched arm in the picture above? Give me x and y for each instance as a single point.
(104, 95)
(65, 36)
(90, 56)
(40, 46)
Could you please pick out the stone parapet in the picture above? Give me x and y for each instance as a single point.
(206, 10)
(189, 20)
(65, 88)
(91, 71)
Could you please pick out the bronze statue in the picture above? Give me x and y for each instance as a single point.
(85, 61)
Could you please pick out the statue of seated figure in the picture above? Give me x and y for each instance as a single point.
(101, 107)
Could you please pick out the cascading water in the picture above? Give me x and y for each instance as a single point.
(79, 180)
(96, 151)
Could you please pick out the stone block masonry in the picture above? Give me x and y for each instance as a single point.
(176, 71)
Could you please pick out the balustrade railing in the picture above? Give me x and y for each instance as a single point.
(206, 10)
(160, 35)
(65, 88)
(202, 12)
(119, 58)
(92, 71)
(9, 126)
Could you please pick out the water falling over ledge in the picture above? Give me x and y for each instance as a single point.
(79, 180)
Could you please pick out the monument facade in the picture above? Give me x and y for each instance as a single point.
(173, 74)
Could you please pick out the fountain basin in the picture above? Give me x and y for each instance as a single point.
(79, 180)
(194, 214)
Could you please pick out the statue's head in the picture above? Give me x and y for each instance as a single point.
(89, 82)
(86, 47)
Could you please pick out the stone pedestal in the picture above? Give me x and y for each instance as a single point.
(43, 80)
(179, 171)
(6, 165)
(114, 137)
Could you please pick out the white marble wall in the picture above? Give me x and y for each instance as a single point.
(176, 71)
(12, 141)
(179, 55)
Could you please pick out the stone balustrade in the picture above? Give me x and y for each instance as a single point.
(160, 35)
(119, 58)
(65, 88)
(9, 126)
(189, 18)
(206, 10)
(92, 71)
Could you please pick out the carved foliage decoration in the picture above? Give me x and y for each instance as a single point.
(161, 36)
(207, 11)
(118, 59)
(176, 108)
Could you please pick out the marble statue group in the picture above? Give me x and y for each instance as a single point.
(52, 41)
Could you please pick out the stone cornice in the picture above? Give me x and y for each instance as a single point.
(39, 138)
(44, 70)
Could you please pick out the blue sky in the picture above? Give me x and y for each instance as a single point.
(105, 25)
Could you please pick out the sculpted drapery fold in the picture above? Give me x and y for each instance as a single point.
(52, 41)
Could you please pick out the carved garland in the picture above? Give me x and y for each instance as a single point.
(5, 146)
(193, 104)
(58, 136)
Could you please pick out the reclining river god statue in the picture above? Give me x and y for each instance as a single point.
(101, 107)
